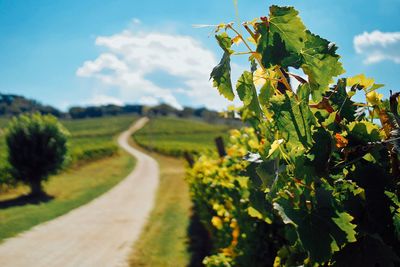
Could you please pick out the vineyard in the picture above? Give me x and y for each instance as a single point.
(314, 178)
(174, 136)
(89, 140)
(90, 172)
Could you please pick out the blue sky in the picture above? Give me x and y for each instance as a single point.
(72, 52)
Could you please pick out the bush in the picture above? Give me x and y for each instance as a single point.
(37, 147)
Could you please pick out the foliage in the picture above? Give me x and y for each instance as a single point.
(314, 181)
(37, 145)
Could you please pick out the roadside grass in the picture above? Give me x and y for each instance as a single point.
(173, 136)
(163, 242)
(66, 191)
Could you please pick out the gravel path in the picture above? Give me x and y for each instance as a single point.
(100, 233)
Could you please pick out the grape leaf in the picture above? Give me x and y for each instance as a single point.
(368, 251)
(344, 222)
(247, 92)
(225, 42)
(221, 76)
(282, 38)
(286, 22)
(294, 120)
(341, 102)
(320, 63)
(266, 92)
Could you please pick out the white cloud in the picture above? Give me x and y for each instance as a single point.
(132, 57)
(378, 46)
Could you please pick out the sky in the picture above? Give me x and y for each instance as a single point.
(74, 52)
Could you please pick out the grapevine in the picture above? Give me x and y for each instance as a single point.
(314, 181)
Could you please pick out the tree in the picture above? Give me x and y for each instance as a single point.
(37, 146)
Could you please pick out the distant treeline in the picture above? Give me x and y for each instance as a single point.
(11, 105)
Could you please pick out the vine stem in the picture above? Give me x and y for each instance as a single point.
(241, 37)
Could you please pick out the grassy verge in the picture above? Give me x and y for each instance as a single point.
(66, 191)
(171, 237)
(164, 240)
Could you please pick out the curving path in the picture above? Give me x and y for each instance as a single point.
(100, 233)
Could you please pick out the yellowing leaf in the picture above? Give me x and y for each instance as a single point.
(254, 213)
(256, 56)
(259, 77)
(275, 146)
(374, 98)
(220, 26)
(217, 222)
(360, 80)
(237, 40)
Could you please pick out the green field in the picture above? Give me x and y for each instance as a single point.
(173, 136)
(90, 139)
(93, 138)
(78, 184)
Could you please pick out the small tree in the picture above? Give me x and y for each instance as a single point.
(37, 146)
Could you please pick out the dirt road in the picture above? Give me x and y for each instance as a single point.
(100, 233)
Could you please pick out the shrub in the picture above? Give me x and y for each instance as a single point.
(37, 146)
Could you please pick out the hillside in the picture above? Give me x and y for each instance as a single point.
(11, 105)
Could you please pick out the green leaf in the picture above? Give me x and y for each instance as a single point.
(344, 222)
(321, 150)
(363, 132)
(286, 22)
(281, 40)
(294, 120)
(221, 76)
(320, 63)
(311, 229)
(341, 102)
(266, 92)
(368, 251)
(247, 92)
(225, 42)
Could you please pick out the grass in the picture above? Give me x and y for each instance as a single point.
(163, 242)
(68, 190)
(76, 185)
(173, 136)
